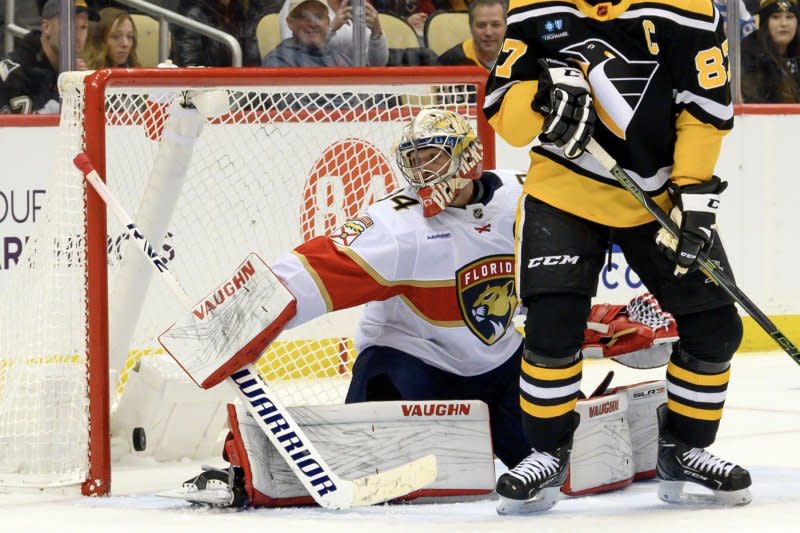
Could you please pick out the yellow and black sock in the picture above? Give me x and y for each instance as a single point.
(549, 390)
(695, 396)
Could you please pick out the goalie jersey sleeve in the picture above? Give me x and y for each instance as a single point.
(440, 288)
(659, 77)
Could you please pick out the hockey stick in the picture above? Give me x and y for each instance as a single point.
(327, 489)
(707, 266)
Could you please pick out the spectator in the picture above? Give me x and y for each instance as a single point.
(487, 25)
(190, 49)
(340, 34)
(309, 21)
(28, 75)
(112, 41)
(747, 23)
(426, 7)
(770, 60)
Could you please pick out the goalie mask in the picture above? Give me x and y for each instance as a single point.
(439, 154)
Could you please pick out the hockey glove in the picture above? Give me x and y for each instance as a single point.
(564, 99)
(695, 213)
(639, 335)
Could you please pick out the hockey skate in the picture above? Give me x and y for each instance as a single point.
(535, 483)
(679, 464)
(214, 487)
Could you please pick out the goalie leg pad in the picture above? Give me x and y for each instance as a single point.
(602, 451)
(360, 438)
(643, 400)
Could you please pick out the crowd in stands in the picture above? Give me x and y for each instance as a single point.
(319, 33)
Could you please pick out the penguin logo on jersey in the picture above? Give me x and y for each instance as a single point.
(486, 296)
(618, 83)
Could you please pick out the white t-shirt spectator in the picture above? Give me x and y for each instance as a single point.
(377, 50)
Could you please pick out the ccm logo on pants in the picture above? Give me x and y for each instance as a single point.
(553, 260)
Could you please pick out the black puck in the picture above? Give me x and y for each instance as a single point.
(139, 439)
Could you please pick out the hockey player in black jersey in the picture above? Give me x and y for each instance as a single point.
(649, 81)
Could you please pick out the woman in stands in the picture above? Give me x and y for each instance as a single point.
(771, 55)
(112, 41)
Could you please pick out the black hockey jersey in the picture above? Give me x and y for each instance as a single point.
(660, 82)
(461, 54)
(27, 79)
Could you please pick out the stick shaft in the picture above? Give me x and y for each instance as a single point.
(708, 266)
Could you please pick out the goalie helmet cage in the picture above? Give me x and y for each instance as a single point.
(297, 154)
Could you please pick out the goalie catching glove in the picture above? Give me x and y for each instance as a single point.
(639, 335)
(695, 213)
(564, 99)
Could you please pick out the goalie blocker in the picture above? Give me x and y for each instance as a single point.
(232, 326)
(615, 444)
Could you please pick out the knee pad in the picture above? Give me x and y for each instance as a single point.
(713, 335)
(555, 324)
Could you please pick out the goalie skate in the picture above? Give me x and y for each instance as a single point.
(725, 483)
(213, 487)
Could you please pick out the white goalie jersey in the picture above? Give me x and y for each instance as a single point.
(439, 288)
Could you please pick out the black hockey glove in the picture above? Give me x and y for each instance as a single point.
(695, 213)
(565, 100)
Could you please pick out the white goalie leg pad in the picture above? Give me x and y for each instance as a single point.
(162, 414)
(643, 400)
(232, 326)
(358, 439)
(602, 452)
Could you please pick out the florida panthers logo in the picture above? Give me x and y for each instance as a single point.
(486, 296)
(350, 230)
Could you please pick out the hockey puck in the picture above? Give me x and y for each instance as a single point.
(139, 439)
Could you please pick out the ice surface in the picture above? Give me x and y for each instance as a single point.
(760, 430)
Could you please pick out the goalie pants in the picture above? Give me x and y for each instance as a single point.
(559, 259)
(381, 373)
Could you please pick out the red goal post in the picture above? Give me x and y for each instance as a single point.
(299, 152)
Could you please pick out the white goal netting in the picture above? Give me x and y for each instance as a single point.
(282, 165)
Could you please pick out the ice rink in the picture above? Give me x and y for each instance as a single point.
(760, 430)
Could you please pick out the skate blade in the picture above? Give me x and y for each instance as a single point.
(215, 497)
(672, 492)
(544, 500)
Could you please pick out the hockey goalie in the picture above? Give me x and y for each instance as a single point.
(438, 365)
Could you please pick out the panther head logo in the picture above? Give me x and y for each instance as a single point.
(487, 296)
(494, 304)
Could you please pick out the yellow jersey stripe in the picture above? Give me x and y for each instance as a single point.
(696, 150)
(516, 122)
(587, 198)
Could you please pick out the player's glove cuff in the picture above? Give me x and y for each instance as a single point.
(695, 214)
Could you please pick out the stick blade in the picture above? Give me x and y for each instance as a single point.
(395, 483)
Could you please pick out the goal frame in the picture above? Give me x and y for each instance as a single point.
(98, 481)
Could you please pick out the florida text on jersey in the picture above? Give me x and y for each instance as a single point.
(439, 288)
(660, 82)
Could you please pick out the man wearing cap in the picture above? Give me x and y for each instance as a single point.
(28, 75)
(309, 21)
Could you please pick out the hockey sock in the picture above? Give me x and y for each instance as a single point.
(549, 390)
(695, 396)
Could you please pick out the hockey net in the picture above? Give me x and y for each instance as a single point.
(297, 154)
